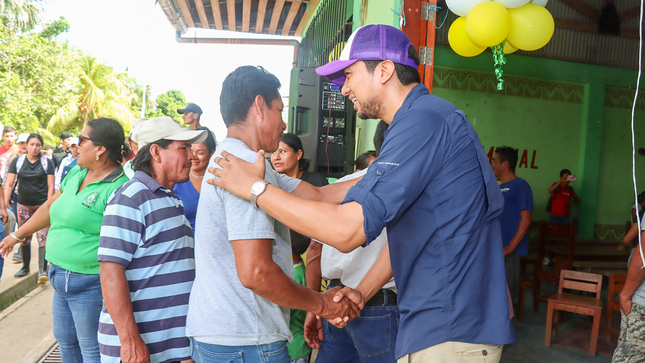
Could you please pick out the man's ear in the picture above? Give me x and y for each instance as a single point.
(386, 71)
(258, 107)
(155, 152)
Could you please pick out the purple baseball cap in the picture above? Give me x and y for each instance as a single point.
(369, 42)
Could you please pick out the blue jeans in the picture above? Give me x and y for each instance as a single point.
(76, 308)
(558, 219)
(266, 353)
(370, 337)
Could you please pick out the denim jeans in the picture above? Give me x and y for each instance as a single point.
(558, 219)
(370, 337)
(76, 308)
(266, 353)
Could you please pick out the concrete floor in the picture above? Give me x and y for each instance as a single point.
(530, 336)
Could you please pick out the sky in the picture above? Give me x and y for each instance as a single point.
(135, 35)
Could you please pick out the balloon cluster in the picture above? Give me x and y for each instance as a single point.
(520, 24)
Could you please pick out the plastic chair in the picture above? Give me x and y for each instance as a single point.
(560, 302)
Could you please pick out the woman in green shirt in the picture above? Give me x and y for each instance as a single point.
(75, 214)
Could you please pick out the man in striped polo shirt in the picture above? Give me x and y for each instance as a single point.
(146, 252)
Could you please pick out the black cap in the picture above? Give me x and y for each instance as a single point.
(191, 108)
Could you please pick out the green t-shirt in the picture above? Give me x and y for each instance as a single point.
(298, 348)
(76, 218)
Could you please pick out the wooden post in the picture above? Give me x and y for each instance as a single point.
(420, 28)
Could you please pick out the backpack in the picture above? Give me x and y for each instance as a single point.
(21, 161)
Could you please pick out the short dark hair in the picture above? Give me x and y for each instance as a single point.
(379, 136)
(507, 153)
(65, 135)
(240, 89)
(406, 74)
(49, 148)
(564, 171)
(210, 140)
(8, 128)
(295, 143)
(143, 160)
(361, 160)
(35, 136)
(109, 134)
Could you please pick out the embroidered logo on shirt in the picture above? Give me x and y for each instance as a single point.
(387, 163)
(505, 190)
(91, 200)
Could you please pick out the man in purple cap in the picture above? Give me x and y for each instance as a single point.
(434, 190)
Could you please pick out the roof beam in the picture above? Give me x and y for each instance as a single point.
(313, 4)
(293, 11)
(202, 14)
(583, 8)
(246, 16)
(585, 26)
(259, 21)
(217, 14)
(185, 12)
(275, 17)
(631, 13)
(230, 10)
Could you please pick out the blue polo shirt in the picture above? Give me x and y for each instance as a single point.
(518, 196)
(434, 190)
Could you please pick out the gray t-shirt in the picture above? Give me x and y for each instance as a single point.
(221, 311)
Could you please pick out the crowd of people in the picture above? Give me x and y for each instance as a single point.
(166, 246)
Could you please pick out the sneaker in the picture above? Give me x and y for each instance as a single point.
(17, 258)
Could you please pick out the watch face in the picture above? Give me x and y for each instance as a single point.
(258, 187)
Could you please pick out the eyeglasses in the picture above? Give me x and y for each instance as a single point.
(82, 138)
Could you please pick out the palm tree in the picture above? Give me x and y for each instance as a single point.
(24, 13)
(102, 95)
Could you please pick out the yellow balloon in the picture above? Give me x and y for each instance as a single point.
(459, 41)
(531, 27)
(488, 24)
(509, 48)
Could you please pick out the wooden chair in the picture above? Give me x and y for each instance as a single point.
(616, 284)
(528, 282)
(560, 302)
(551, 234)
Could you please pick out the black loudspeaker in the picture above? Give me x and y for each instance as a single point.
(324, 120)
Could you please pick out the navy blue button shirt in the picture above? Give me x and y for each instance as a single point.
(434, 190)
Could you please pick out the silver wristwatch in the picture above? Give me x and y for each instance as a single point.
(256, 189)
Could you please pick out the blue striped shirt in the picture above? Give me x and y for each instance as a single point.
(145, 229)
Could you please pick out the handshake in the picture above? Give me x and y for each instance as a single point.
(340, 306)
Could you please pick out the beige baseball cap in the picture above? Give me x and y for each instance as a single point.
(165, 128)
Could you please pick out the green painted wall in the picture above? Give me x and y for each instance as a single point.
(615, 190)
(550, 128)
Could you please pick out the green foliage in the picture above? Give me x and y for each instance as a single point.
(22, 14)
(37, 77)
(168, 103)
(102, 94)
(54, 28)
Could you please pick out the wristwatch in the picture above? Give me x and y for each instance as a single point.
(256, 189)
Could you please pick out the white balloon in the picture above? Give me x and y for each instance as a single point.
(462, 7)
(512, 4)
(540, 2)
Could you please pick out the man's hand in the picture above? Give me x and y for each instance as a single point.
(625, 304)
(507, 250)
(237, 175)
(313, 330)
(347, 293)
(134, 351)
(338, 309)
